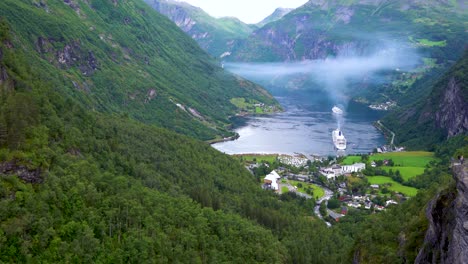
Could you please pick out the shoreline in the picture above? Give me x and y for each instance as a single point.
(237, 136)
(220, 140)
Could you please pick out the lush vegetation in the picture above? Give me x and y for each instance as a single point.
(258, 158)
(253, 106)
(78, 184)
(83, 179)
(308, 31)
(215, 35)
(415, 124)
(308, 188)
(127, 59)
(406, 158)
(388, 183)
(395, 171)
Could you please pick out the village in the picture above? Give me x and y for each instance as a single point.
(339, 187)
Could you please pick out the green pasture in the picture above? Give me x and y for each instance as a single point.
(406, 172)
(394, 186)
(270, 158)
(318, 191)
(406, 159)
(349, 160)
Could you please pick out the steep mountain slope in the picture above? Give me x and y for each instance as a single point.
(78, 185)
(276, 15)
(443, 114)
(122, 57)
(81, 186)
(323, 28)
(215, 35)
(446, 239)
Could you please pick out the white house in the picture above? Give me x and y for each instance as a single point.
(272, 180)
(356, 167)
(330, 174)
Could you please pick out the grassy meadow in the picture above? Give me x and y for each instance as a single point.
(393, 185)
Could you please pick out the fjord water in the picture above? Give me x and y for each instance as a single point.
(305, 127)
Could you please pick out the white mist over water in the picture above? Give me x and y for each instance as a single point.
(306, 125)
(333, 74)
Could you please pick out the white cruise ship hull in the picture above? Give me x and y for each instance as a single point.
(339, 139)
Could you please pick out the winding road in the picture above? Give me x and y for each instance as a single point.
(325, 198)
(391, 132)
(328, 194)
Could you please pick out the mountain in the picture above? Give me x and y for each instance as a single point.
(446, 240)
(125, 58)
(324, 28)
(83, 182)
(215, 35)
(276, 15)
(440, 115)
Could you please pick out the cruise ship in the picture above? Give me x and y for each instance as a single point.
(338, 139)
(337, 110)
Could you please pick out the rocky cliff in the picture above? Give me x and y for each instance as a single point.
(323, 28)
(452, 113)
(446, 239)
(440, 115)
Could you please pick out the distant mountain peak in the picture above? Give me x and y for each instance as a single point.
(215, 35)
(279, 13)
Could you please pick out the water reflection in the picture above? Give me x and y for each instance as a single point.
(305, 127)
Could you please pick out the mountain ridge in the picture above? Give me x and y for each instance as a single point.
(215, 35)
(336, 28)
(105, 56)
(443, 114)
(279, 13)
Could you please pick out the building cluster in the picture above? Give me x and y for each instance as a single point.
(358, 202)
(293, 161)
(383, 106)
(338, 170)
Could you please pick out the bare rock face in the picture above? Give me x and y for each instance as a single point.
(453, 113)
(23, 172)
(446, 239)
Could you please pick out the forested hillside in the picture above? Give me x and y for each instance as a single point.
(80, 185)
(215, 35)
(320, 29)
(440, 115)
(85, 177)
(123, 57)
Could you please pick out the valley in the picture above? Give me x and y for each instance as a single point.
(108, 109)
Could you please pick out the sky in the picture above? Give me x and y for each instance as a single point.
(249, 11)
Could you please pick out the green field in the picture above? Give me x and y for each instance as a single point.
(240, 103)
(270, 158)
(406, 172)
(406, 159)
(284, 189)
(318, 191)
(394, 186)
(428, 42)
(402, 159)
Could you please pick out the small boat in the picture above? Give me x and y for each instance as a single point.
(337, 110)
(339, 139)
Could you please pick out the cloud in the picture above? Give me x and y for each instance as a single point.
(332, 74)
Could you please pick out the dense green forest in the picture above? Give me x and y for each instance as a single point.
(83, 182)
(123, 57)
(72, 178)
